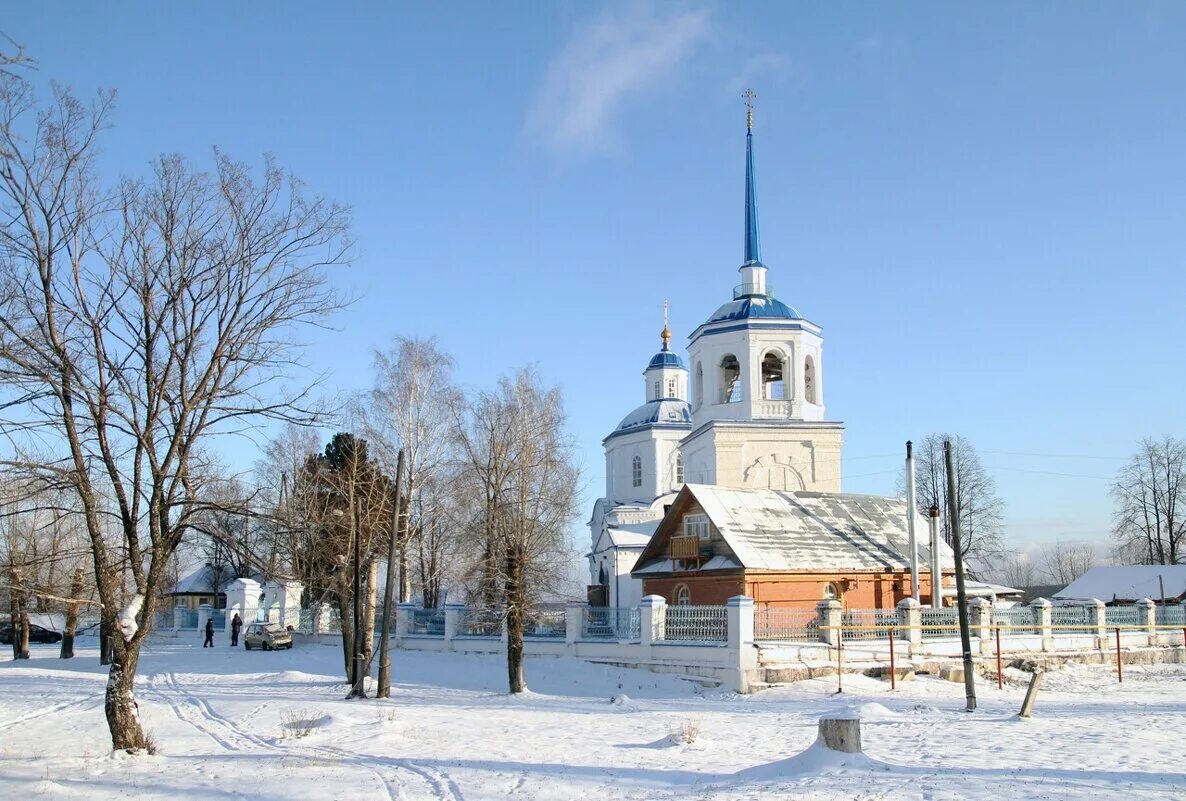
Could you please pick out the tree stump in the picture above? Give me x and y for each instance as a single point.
(841, 734)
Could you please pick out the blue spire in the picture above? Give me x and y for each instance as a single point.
(753, 248)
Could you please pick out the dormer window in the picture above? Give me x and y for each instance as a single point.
(696, 526)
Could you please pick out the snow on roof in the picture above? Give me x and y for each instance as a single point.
(1127, 583)
(632, 535)
(201, 581)
(777, 530)
(986, 588)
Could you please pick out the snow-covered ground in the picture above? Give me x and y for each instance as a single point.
(227, 721)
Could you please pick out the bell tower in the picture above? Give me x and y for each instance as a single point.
(757, 382)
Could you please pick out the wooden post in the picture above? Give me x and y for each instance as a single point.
(1119, 661)
(1000, 675)
(893, 673)
(1031, 695)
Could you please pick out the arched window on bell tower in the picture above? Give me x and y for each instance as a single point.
(730, 379)
(809, 380)
(773, 386)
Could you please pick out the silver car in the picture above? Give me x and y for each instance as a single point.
(267, 636)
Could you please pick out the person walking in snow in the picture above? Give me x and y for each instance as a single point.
(236, 624)
(209, 641)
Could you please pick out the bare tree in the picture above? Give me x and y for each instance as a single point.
(409, 409)
(519, 456)
(141, 324)
(979, 505)
(1063, 562)
(1014, 569)
(1150, 496)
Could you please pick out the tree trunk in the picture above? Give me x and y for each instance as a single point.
(368, 619)
(405, 582)
(72, 616)
(19, 618)
(515, 601)
(347, 621)
(119, 704)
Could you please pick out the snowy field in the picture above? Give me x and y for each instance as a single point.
(219, 717)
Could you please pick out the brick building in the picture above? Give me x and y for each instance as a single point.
(783, 549)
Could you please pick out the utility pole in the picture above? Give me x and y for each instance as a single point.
(911, 513)
(936, 559)
(961, 593)
(397, 517)
(358, 688)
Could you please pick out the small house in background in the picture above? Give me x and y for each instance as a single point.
(784, 549)
(206, 585)
(998, 594)
(1126, 584)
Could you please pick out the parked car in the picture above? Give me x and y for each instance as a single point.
(267, 636)
(36, 634)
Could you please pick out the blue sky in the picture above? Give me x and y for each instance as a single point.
(983, 206)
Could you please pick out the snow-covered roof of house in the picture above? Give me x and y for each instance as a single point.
(984, 588)
(1127, 583)
(790, 531)
(201, 581)
(632, 535)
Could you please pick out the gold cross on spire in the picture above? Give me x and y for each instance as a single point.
(666, 335)
(749, 96)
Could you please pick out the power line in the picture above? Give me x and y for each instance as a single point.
(1057, 455)
(1050, 473)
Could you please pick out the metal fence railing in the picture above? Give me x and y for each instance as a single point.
(1072, 619)
(939, 623)
(430, 622)
(1123, 616)
(546, 624)
(786, 624)
(189, 619)
(611, 623)
(1015, 620)
(479, 623)
(305, 622)
(870, 624)
(696, 623)
(1170, 615)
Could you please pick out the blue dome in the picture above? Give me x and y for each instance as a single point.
(754, 306)
(668, 411)
(666, 358)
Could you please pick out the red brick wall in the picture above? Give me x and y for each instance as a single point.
(793, 590)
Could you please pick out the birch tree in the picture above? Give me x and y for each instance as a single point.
(1150, 496)
(141, 324)
(979, 506)
(518, 456)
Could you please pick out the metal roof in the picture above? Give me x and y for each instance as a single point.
(793, 531)
(1127, 583)
(666, 358)
(668, 411)
(753, 306)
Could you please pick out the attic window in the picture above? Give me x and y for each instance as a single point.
(696, 526)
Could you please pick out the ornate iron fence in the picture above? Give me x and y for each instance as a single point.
(305, 623)
(1016, 620)
(786, 624)
(696, 623)
(429, 622)
(869, 624)
(939, 623)
(546, 624)
(479, 623)
(611, 623)
(1173, 615)
(1123, 616)
(1072, 619)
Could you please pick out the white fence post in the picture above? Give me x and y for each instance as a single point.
(1042, 622)
(652, 611)
(831, 615)
(739, 620)
(910, 618)
(205, 611)
(574, 616)
(980, 620)
(1147, 614)
(403, 621)
(1099, 621)
(453, 614)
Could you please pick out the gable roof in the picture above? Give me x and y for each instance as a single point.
(201, 581)
(1127, 583)
(792, 531)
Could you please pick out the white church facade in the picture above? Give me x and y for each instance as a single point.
(745, 411)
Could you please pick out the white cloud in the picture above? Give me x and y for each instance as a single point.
(610, 60)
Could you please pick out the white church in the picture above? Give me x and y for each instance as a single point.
(745, 411)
